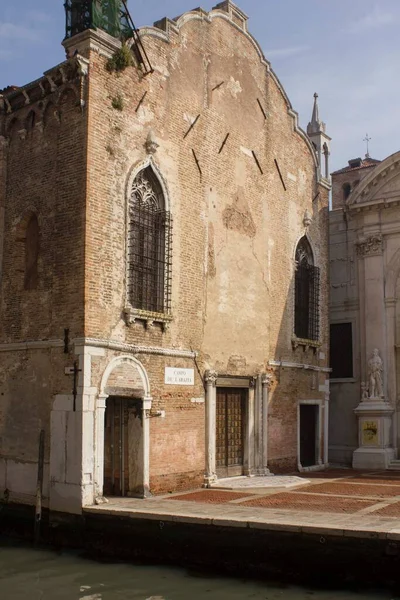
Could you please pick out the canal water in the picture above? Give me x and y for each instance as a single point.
(36, 574)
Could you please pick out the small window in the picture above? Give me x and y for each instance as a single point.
(346, 190)
(306, 293)
(341, 351)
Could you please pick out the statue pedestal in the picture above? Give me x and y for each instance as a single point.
(374, 434)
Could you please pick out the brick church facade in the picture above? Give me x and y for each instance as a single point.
(164, 284)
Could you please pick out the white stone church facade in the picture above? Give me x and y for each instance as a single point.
(365, 313)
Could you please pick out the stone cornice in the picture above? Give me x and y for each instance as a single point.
(292, 365)
(98, 343)
(96, 40)
(133, 348)
(375, 179)
(52, 80)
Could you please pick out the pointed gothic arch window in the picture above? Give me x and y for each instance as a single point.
(149, 245)
(307, 287)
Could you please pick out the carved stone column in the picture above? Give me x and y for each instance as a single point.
(99, 441)
(147, 403)
(211, 417)
(249, 439)
(266, 382)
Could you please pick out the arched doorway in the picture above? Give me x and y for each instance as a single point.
(125, 436)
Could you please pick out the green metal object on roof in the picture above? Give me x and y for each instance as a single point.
(109, 15)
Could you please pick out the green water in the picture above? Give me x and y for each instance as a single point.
(36, 574)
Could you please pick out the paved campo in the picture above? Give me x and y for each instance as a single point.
(337, 501)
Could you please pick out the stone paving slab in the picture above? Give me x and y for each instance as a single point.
(374, 512)
(306, 522)
(256, 483)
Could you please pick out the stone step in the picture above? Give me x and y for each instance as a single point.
(394, 465)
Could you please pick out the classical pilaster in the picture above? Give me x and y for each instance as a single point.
(211, 415)
(266, 382)
(249, 439)
(99, 450)
(370, 253)
(147, 403)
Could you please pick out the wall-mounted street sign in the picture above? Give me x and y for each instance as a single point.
(175, 376)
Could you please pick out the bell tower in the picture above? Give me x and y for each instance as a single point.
(316, 131)
(111, 16)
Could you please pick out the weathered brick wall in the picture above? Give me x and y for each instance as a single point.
(235, 229)
(46, 165)
(234, 237)
(352, 178)
(44, 153)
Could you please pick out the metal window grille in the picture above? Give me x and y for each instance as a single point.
(149, 247)
(307, 292)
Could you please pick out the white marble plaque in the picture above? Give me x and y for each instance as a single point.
(175, 376)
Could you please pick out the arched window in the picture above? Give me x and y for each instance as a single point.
(346, 190)
(31, 254)
(306, 293)
(149, 245)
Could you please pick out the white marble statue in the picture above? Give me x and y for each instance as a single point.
(364, 391)
(375, 375)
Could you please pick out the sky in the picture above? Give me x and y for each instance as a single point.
(346, 50)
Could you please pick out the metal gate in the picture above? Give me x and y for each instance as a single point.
(116, 446)
(230, 432)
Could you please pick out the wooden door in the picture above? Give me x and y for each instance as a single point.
(230, 431)
(308, 434)
(116, 445)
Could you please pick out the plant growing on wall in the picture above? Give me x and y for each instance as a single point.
(117, 102)
(120, 60)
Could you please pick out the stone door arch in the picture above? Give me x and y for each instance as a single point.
(125, 378)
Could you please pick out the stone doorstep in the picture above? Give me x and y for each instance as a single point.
(255, 485)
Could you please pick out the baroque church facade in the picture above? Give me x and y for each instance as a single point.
(164, 265)
(365, 313)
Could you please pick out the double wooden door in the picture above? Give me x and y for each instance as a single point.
(230, 431)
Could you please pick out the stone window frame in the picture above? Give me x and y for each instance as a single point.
(297, 341)
(131, 313)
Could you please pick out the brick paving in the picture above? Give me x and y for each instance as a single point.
(334, 491)
(393, 510)
(312, 502)
(372, 480)
(210, 496)
(349, 488)
(339, 511)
